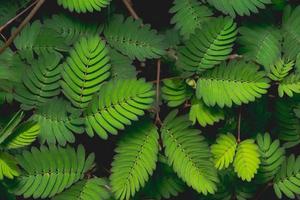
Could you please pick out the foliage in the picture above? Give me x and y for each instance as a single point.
(198, 98)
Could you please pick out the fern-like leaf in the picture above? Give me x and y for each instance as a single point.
(134, 40)
(209, 46)
(261, 44)
(291, 34)
(85, 70)
(48, 171)
(188, 153)
(71, 28)
(247, 160)
(83, 6)
(88, 189)
(289, 85)
(8, 166)
(288, 123)
(189, 15)
(280, 70)
(175, 92)
(22, 136)
(271, 156)
(163, 184)
(224, 150)
(36, 39)
(237, 82)
(121, 66)
(203, 114)
(9, 128)
(287, 181)
(119, 102)
(135, 160)
(58, 121)
(41, 81)
(239, 7)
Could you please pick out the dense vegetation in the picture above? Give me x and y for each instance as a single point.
(98, 104)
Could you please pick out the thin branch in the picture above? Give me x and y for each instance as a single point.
(157, 119)
(17, 16)
(129, 7)
(239, 126)
(22, 25)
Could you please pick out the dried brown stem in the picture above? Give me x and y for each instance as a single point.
(22, 25)
(17, 16)
(129, 7)
(157, 119)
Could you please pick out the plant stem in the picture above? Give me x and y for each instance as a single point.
(157, 119)
(239, 126)
(17, 16)
(22, 25)
(129, 7)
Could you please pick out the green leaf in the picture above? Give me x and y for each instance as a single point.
(85, 70)
(289, 85)
(83, 6)
(271, 156)
(118, 103)
(237, 82)
(209, 46)
(280, 70)
(188, 153)
(163, 184)
(261, 44)
(8, 166)
(133, 39)
(224, 150)
(22, 136)
(58, 121)
(175, 92)
(36, 39)
(11, 126)
(189, 15)
(203, 114)
(87, 189)
(291, 34)
(71, 28)
(247, 160)
(48, 171)
(287, 181)
(239, 7)
(121, 66)
(287, 121)
(135, 160)
(41, 81)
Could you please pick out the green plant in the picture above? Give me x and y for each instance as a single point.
(205, 106)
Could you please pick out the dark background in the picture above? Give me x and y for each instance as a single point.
(154, 12)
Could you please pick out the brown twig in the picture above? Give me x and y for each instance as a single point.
(17, 16)
(239, 126)
(22, 25)
(157, 118)
(129, 7)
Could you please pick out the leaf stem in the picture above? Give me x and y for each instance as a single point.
(129, 7)
(17, 16)
(157, 118)
(22, 25)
